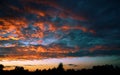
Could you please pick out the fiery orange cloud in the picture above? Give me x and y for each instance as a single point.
(38, 35)
(13, 26)
(40, 25)
(21, 22)
(8, 38)
(37, 52)
(21, 29)
(40, 32)
(52, 27)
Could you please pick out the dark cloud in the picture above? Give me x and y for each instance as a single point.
(95, 53)
(73, 65)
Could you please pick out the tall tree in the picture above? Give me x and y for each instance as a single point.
(60, 67)
(1, 67)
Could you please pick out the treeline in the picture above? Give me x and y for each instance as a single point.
(96, 70)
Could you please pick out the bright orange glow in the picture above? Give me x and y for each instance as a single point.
(8, 38)
(80, 62)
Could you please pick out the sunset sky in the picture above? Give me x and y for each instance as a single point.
(42, 33)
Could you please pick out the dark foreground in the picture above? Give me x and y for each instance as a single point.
(96, 70)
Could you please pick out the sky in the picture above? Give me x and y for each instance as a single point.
(79, 33)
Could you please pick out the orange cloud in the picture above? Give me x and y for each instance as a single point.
(40, 25)
(84, 29)
(63, 12)
(52, 27)
(12, 26)
(37, 52)
(35, 11)
(100, 47)
(96, 48)
(8, 38)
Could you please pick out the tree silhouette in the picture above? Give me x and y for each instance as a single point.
(19, 68)
(1, 67)
(96, 70)
(60, 67)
